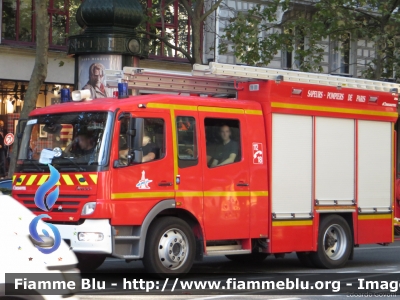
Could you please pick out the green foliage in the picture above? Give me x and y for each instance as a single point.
(256, 36)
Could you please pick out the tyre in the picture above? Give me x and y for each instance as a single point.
(89, 262)
(334, 243)
(248, 258)
(170, 248)
(305, 259)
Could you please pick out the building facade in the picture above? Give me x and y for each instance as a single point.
(352, 61)
(17, 47)
(17, 54)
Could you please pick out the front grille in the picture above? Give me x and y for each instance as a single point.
(65, 203)
(59, 196)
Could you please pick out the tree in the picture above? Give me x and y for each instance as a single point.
(343, 21)
(39, 72)
(191, 17)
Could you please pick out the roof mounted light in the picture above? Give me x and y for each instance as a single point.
(123, 90)
(279, 78)
(81, 95)
(373, 99)
(297, 91)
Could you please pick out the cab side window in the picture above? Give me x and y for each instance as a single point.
(222, 141)
(153, 139)
(187, 141)
(153, 144)
(123, 142)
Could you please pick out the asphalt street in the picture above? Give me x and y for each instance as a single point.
(376, 260)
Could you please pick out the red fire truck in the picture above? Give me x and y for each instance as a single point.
(268, 162)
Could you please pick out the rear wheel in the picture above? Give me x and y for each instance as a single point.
(170, 247)
(89, 262)
(248, 258)
(334, 243)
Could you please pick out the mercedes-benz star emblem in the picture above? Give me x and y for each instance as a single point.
(57, 151)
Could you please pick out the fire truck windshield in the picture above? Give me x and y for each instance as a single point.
(68, 141)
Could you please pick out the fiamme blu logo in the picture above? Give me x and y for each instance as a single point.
(45, 201)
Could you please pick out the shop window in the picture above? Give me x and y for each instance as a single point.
(18, 21)
(222, 141)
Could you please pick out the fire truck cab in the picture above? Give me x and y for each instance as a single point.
(288, 162)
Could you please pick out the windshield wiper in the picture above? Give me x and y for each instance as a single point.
(70, 160)
(35, 164)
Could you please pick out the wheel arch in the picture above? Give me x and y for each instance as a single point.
(194, 224)
(348, 218)
(167, 208)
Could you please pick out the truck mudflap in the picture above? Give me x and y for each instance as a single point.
(92, 236)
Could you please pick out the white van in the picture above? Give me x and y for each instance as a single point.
(19, 255)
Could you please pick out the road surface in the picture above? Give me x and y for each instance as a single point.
(380, 260)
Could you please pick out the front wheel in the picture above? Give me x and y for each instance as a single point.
(334, 243)
(170, 247)
(89, 262)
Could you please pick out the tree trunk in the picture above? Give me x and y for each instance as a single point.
(196, 39)
(39, 72)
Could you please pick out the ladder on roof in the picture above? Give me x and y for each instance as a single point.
(257, 73)
(171, 81)
(217, 78)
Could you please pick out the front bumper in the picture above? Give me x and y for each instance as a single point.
(71, 233)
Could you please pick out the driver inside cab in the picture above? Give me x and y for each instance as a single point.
(83, 145)
(149, 151)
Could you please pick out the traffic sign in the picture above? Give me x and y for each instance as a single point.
(9, 139)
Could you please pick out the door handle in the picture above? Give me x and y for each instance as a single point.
(164, 183)
(242, 184)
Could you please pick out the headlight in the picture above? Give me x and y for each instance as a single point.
(88, 208)
(90, 236)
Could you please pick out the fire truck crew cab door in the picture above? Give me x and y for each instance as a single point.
(140, 186)
(226, 187)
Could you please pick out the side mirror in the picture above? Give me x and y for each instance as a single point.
(138, 156)
(21, 127)
(136, 132)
